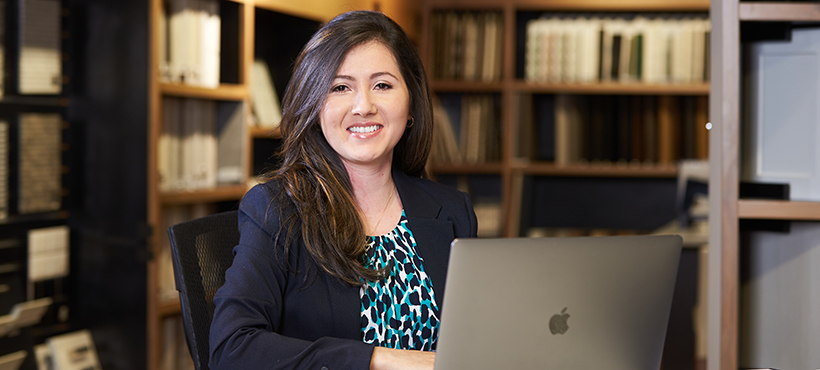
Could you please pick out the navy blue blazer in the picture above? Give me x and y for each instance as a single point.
(269, 316)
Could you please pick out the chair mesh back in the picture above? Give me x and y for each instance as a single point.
(202, 250)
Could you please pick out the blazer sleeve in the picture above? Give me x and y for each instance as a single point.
(249, 307)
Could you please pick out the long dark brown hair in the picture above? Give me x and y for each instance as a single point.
(317, 197)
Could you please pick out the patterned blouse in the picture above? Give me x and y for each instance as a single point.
(400, 310)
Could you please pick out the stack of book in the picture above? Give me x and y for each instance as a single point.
(467, 46)
(189, 46)
(40, 61)
(476, 118)
(651, 49)
(200, 145)
(40, 162)
(582, 129)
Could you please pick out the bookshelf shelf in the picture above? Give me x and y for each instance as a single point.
(464, 168)
(223, 92)
(613, 88)
(614, 6)
(466, 86)
(265, 133)
(603, 169)
(779, 11)
(38, 101)
(232, 192)
(36, 217)
(169, 307)
(583, 5)
(778, 210)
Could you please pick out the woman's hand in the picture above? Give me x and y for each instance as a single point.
(398, 359)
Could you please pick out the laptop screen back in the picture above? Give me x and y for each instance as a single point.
(560, 303)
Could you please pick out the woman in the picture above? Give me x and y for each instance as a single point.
(343, 251)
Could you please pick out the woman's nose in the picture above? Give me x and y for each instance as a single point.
(363, 104)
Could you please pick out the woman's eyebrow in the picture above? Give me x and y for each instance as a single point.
(372, 76)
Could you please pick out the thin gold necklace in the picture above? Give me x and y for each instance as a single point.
(384, 210)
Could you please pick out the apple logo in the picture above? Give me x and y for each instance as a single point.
(558, 322)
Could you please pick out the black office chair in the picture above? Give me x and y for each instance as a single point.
(202, 250)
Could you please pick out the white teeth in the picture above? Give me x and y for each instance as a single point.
(364, 130)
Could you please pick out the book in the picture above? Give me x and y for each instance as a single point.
(652, 48)
(48, 253)
(668, 130)
(545, 130)
(40, 63)
(201, 144)
(191, 35)
(445, 145)
(210, 29)
(266, 109)
(650, 129)
(40, 162)
(467, 45)
(488, 214)
(73, 351)
(42, 357)
(4, 169)
(3, 25)
(230, 157)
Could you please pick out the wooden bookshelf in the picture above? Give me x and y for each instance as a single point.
(467, 168)
(211, 195)
(779, 12)
(223, 92)
(778, 210)
(512, 90)
(169, 307)
(726, 209)
(265, 133)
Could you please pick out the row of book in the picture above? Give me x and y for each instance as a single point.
(189, 42)
(467, 45)
(37, 146)
(201, 144)
(39, 40)
(652, 49)
(572, 129)
(467, 129)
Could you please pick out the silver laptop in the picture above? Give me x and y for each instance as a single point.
(558, 303)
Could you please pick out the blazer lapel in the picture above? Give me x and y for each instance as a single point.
(433, 236)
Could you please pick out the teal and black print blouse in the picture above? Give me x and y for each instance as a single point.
(400, 310)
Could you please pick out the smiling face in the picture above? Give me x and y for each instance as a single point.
(367, 108)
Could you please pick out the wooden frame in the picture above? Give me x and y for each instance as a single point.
(725, 206)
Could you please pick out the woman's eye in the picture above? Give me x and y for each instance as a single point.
(383, 86)
(338, 88)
